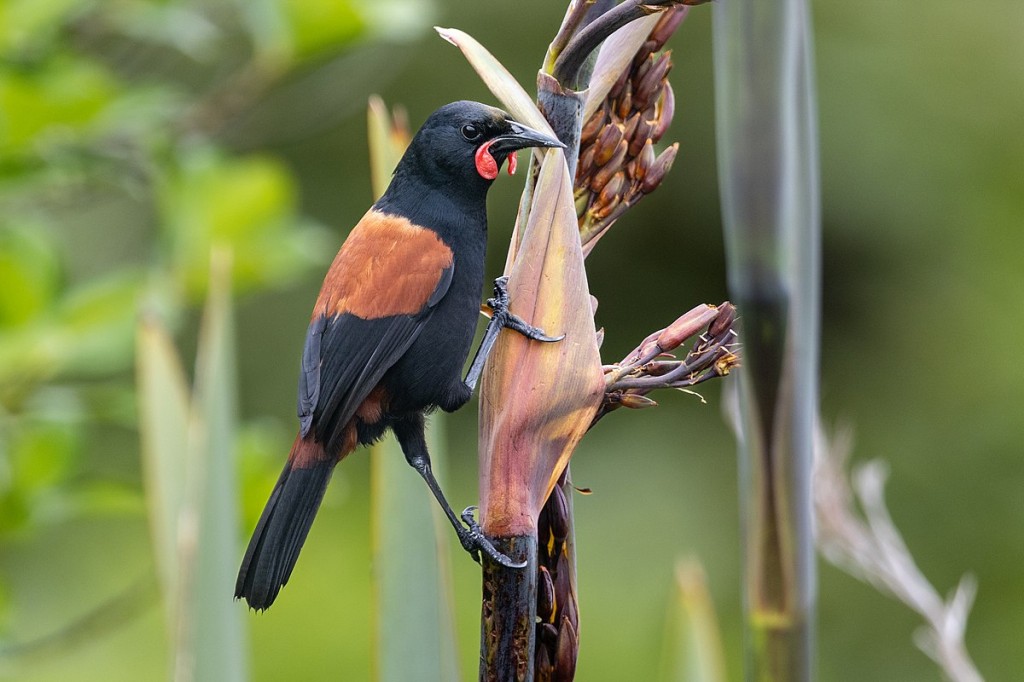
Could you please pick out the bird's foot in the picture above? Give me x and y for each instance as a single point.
(502, 317)
(474, 541)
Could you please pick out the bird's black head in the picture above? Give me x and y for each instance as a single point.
(462, 145)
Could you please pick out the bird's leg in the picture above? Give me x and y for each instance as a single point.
(501, 318)
(409, 433)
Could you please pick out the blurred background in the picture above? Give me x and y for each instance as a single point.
(136, 134)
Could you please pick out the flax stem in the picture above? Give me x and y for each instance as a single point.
(509, 613)
(768, 174)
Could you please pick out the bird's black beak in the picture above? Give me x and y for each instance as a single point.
(522, 137)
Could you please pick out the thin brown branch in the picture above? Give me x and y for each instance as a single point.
(647, 367)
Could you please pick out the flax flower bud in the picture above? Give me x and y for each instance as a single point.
(656, 173)
(605, 173)
(687, 325)
(607, 143)
(667, 111)
(645, 88)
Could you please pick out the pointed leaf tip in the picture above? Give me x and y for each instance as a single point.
(446, 33)
(498, 80)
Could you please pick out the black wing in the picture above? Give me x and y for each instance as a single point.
(346, 356)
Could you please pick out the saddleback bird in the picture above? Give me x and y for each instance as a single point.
(392, 328)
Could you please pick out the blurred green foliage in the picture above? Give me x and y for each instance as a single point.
(113, 127)
(111, 113)
(249, 204)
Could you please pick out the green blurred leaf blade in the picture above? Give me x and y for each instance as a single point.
(415, 630)
(693, 643)
(23, 22)
(316, 25)
(62, 97)
(213, 643)
(414, 633)
(95, 323)
(163, 406)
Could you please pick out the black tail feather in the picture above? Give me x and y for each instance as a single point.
(275, 544)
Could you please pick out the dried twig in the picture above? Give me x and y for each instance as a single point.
(871, 548)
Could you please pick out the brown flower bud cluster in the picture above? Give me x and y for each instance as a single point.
(652, 364)
(558, 620)
(618, 165)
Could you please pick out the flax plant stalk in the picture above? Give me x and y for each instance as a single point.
(536, 403)
(538, 400)
(767, 146)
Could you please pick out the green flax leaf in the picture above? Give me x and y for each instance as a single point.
(211, 638)
(693, 643)
(414, 628)
(414, 632)
(163, 425)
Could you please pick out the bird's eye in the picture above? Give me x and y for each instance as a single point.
(471, 132)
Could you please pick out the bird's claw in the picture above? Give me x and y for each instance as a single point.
(474, 541)
(503, 317)
(500, 298)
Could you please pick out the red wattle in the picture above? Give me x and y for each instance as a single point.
(513, 163)
(486, 166)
